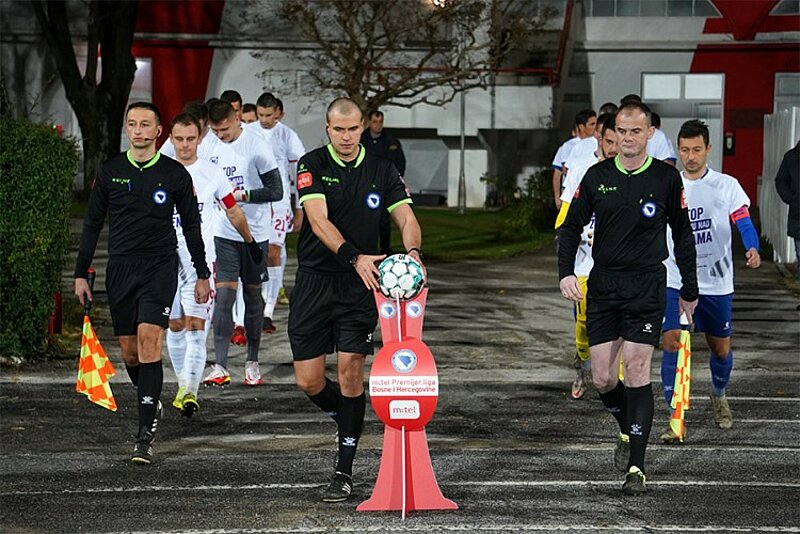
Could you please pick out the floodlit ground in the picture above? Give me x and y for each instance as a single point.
(507, 443)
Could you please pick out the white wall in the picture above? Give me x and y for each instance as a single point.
(475, 164)
(516, 107)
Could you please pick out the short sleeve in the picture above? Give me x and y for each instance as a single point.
(737, 197)
(222, 187)
(309, 183)
(295, 148)
(397, 192)
(264, 156)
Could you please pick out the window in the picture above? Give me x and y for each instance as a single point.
(664, 86)
(654, 8)
(787, 7)
(703, 87)
(661, 87)
(663, 8)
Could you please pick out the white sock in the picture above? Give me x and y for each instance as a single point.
(238, 307)
(270, 290)
(196, 355)
(176, 347)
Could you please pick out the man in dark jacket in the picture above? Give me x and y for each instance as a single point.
(787, 182)
(383, 144)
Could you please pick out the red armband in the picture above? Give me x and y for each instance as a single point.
(228, 201)
(741, 213)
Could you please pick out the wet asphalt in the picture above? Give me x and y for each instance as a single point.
(507, 443)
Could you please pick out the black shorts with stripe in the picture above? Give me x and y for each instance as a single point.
(330, 312)
(626, 305)
(141, 290)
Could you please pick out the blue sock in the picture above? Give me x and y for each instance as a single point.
(669, 361)
(720, 373)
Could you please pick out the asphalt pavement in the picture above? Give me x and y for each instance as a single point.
(507, 443)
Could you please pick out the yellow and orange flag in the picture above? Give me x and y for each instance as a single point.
(683, 381)
(94, 369)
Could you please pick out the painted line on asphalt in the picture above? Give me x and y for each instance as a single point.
(466, 527)
(468, 484)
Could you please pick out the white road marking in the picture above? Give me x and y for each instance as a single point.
(509, 527)
(468, 484)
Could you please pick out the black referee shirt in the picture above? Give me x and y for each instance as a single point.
(632, 209)
(356, 193)
(139, 199)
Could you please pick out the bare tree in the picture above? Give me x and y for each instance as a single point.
(100, 107)
(403, 52)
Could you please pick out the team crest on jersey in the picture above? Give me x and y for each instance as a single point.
(160, 197)
(373, 201)
(649, 209)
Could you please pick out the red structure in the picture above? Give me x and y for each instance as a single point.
(404, 389)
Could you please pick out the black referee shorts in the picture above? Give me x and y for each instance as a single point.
(630, 306)
(330, 312)
(141, 290)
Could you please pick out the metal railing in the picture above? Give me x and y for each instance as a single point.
(781, 131)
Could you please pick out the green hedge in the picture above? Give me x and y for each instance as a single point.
(37, 170)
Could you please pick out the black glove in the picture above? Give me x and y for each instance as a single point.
(255, 252)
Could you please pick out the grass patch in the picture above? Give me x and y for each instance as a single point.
(446, 235)
(478, 234)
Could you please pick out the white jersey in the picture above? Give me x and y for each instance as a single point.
(287, 149)
(660, 147)
(258, 160)
(583, 258)
(232, 164)
(584, 151)
(211, 187)
(562, 154)
(711, 199)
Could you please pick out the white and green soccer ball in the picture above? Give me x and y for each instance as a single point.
(401, 277)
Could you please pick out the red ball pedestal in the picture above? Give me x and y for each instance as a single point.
(404, 390)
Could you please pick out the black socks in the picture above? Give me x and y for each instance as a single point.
(640, 414)
(351, 422)
(151, 378)
(328, 399)
(614, 401)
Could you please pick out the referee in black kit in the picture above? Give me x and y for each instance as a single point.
(633, 197)
(139, 190)
(343, 190)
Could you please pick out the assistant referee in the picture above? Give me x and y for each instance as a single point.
(139, 190)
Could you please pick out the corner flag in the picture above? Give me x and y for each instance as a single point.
(683, 380)
(94, 369)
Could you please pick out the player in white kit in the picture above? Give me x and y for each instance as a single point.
(220, 154)
(186, 337)
(288, 149)
(715, 200)
(262, 185)
(583, 259)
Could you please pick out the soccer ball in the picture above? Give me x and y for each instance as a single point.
(400, 277)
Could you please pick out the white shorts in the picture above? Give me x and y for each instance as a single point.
(282, 217)
(184, 303)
